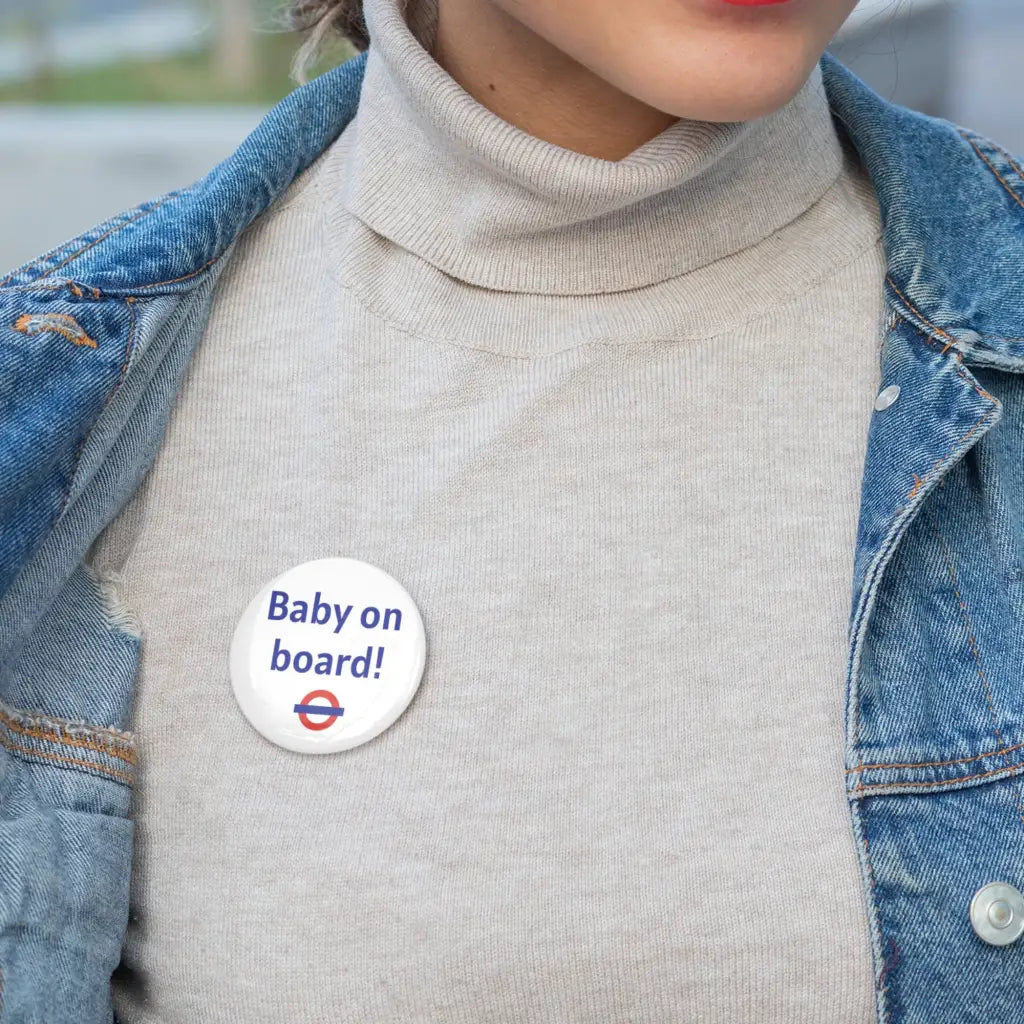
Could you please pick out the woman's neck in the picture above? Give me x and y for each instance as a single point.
(429, 167)
(533, 85)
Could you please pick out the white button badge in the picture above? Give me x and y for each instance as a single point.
(327, 655)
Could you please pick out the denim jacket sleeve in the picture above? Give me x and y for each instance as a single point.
(95, 338)
(76, 431)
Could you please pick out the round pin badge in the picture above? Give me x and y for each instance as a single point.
(327, 655)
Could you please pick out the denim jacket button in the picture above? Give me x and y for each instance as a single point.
(887, 396)
(997, 914)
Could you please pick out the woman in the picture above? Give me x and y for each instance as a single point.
(609, 349)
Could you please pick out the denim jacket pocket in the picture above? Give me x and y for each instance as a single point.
(937, 748)
(67, 768)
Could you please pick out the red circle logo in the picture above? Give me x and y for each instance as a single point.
(333, 710)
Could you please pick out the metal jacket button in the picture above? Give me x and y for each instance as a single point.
(997, 914)
(887, 396)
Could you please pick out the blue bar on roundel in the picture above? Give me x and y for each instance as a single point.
(318, 709)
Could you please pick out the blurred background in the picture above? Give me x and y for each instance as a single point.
(105, 103)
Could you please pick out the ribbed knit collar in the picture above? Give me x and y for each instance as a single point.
(433, 170)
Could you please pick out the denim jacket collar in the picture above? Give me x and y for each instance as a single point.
(945, 223)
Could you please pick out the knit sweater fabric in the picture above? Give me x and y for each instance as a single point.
(605, 422)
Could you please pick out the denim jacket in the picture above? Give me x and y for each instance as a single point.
(95, 337)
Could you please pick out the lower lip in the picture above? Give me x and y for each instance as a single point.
(753, 3)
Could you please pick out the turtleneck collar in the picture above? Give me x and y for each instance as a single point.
(436, 172)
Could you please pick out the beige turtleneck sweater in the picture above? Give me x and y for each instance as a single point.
(605, 422)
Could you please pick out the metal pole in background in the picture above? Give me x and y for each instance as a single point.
(235, 52)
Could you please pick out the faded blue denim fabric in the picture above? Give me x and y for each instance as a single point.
(95, 337)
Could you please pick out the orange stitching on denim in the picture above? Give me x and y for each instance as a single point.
(952, 340)
(1009, 159)
(992, 167)
(935, 764)
(1020, 172)
(69, 327)
(981, 419)
(35, 732)
(114, 734)
(123, 776)
(977, 657)
(918, 481)
(910, 306)
(1010, 770)
(959, 362)
(185, 277)
(113, 391)
(968, 135)
(31, 265)
(78, 291)
(125, 756)
(931, 472)
(32, 286)
(96, 241)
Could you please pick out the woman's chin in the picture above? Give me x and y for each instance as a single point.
(754, 86)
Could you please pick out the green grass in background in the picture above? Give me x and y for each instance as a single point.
(187, 78)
